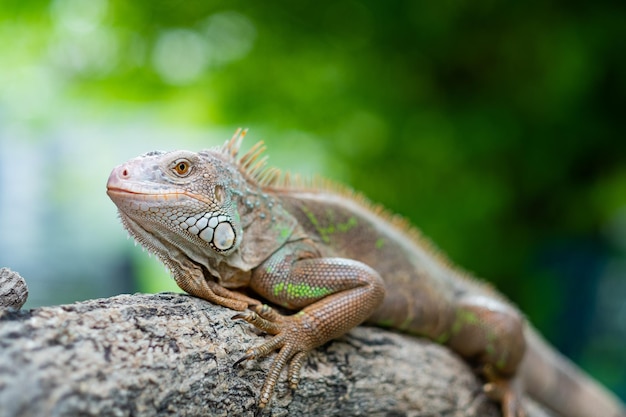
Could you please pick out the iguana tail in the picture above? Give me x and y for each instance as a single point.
(557, 383)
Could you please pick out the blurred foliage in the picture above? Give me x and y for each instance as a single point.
(497, 127)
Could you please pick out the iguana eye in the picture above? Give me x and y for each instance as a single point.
(182, 167)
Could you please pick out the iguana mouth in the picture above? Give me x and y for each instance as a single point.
(125, 191)
(136, 199)
(117, 193)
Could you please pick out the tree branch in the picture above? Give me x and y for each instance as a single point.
(171, 354)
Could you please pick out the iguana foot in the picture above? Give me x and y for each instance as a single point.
(294, 337)
(505, 392)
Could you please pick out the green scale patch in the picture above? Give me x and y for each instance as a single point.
(299, 291)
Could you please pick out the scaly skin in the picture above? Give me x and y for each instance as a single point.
(224, 224)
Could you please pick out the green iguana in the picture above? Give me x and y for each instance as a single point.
(235, 232)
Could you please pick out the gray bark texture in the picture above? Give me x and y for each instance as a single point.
(13, 289)
(173, 355)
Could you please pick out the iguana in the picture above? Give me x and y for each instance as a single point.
(240, 234)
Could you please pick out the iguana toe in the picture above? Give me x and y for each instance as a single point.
(293, 340)
(504, 392)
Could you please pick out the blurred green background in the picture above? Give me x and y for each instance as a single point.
(496, 127)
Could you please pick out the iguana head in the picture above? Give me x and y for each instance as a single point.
(181, 191)
(203, 207)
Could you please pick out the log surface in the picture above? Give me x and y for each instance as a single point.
(173, 355)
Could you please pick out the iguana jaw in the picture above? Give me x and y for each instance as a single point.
(124, 193)
(142, 200)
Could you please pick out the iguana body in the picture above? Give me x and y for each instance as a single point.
(234, 232)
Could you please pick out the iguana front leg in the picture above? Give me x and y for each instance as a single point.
(191, 279)
(333, 295)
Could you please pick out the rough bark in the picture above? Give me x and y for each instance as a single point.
(13, 289)
(172, 354)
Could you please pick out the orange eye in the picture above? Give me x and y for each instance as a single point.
(182, 167)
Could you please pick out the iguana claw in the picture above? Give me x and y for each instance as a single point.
(291, 339)
(243, 358)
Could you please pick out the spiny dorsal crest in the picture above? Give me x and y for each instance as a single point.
(253, 163)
